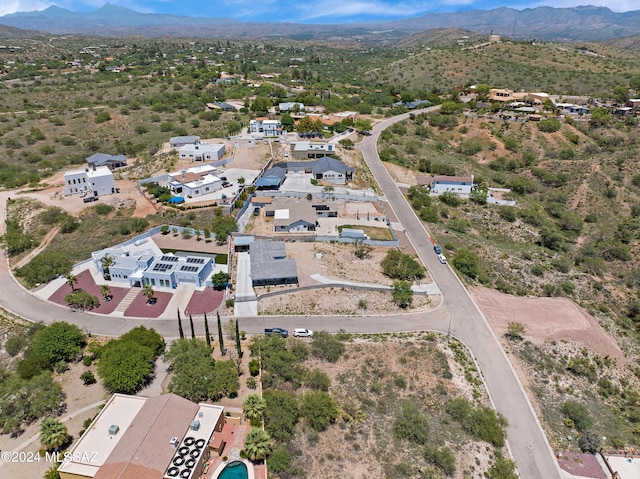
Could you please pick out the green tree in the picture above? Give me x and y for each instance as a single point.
(206, 330)
(80, 299)
(125, 366)
(52, 473)
(180, 330)
(326, 346)
(281, 415)
(223, 226)
(53, 433)
(147, 291)
(467, 262)
(193, 367)
(287, 122)
(398, 265)
(502, 468)
(401, 293)
(60, 341)
(261, 105)
(318, 409)
(193, 331)
(87, 378)
(363, 124)
(253, 407)
(257, 444)
(147, 337)
(220, 338)
(33, 364)
(105, 290)
(225, 380)
(45, 265)
(279, 460)
(220, 280)
(238, 346)
(72, 280)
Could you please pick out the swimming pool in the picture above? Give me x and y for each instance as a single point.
(234, 470)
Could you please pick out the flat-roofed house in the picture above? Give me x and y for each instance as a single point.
(265, 126)
(90, 181)
(292, 217)
(202, 151)
(195, 181)
(311, 149)
(152, 438)
(460, 185)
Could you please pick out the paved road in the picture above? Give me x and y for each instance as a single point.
(527, 441)
(458, 312)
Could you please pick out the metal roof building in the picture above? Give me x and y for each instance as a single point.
(270, 265)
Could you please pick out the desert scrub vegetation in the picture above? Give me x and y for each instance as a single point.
(394, 404)
(582, 395)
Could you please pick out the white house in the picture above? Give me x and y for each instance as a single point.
(194, 182)
(460, 185)
(266, 127)
(92, 181)
(311, 149)
(202, 151)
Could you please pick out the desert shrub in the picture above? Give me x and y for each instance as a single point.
(549, 125)
(577, 413)
(254, 367)
(440, 457)
(281, 414)
(398, 265)
(326, 346)
(88, 378)
(318, 379)
(507, 213)
(318, 409)
(467, 262)
(14, 344)
(279, 460)
(411, 424)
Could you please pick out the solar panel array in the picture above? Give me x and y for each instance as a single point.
(190, 269)
(191, 259)
(162, 267)
(172, 259)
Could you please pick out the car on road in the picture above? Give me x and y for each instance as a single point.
(442, 258)
(437, 249)
(302, 333)
(277, 331)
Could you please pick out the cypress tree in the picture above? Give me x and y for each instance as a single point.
(220, 334)
(180, 326)
(193, 333)
(238, 347)
(206, 330)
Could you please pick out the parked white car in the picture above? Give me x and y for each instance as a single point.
(302, 333)
(442, 258)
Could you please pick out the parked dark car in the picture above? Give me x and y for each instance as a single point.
(89, 199)
(279, 331)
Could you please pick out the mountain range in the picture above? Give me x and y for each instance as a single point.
(584, 23)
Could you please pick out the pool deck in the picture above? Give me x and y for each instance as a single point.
(233, 435)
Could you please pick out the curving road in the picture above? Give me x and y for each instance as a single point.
(458, 312)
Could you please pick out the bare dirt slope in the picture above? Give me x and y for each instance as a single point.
(546, 319)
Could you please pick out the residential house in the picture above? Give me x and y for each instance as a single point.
(571, 109)
(145, 267)
(270, 265)
(266, 127)
(332, 170)
(634, 103)
(311, 149)
(178, 141)
(224, 106)
(103, 159)
(90, 181)
(292, 217)
(271, 179)
(202, 151)
(460, 185)
(291, 106)
(158, 437)
(194, 182)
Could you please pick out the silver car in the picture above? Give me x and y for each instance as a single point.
(302, 333)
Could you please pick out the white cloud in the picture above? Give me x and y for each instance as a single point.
(13, 6)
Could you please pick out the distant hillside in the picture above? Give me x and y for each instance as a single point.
(628, 43)
(12, 32)
(439, 37)
(585, 23)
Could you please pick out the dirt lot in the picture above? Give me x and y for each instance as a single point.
(546, 319)
(337, 261)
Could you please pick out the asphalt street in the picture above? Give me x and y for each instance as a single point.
(457, 314)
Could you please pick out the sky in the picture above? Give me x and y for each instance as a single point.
(306, 11)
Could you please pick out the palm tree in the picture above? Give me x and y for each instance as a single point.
(148, 291)
(53, 433)
(106, 262)
(106, 291)
(71, 280)
(257, 444)
(253, 407)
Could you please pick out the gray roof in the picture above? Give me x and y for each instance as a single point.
(326, 163)
(268, 261)
(298, 211)
(184, 139)
(101, 159)
(276, 171)
(242, 240)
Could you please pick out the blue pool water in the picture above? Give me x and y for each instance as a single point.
(234, 470)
